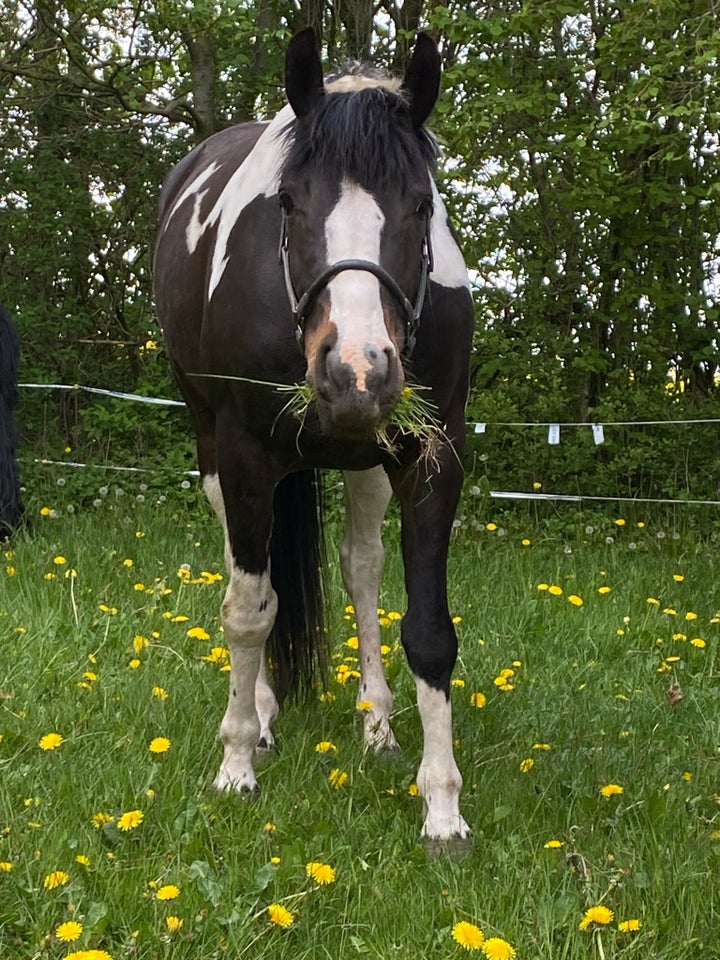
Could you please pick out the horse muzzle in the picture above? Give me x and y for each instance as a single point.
(355, 398)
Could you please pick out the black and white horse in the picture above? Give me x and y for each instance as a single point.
(316, 248)
(11, 506)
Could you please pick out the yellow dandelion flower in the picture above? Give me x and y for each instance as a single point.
(321, 873)
(690, 615)
(678, 577)
(537, 485)
(600, 915)
(527, 765)
(173, 924)
(168, 892)
(6, 866)
(554, 844)
(414, 790)
(69, 931)
(555, 590)
(100, 819)
(88, 955)
(629, 926)
(139, 643)
(611, 790)
(159, 745)
(160, 692)
(134, 663)
(338, 778)
(198, 633)
(394, 615)
(60, 561)
(491, 527)
(698, 642)
(457, 620)
(45, 511)
(50, 741)
(82, 860)
(325, 746)
(670, 611)
(478, 700)
(575, 600)
(58, 878)
(458, 682)
(542, 746)
(352, 642)
(543, 586)
(364, 705)
(620, 523)
(498, 949)
(280, 915)
(270, 827)
(604, 589)
(653, 601)
(468, 935)
(127, 562)
(130, 820)
(275, 860)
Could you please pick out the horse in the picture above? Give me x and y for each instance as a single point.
(11, 505)
(315, 249)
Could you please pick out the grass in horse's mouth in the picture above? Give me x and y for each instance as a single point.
(413, 415)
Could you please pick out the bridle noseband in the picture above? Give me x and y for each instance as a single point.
(301, 306)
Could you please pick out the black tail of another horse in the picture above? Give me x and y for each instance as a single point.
(11, 507)
(298, 643)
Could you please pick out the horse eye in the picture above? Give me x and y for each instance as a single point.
(286, 201)
(424, 209)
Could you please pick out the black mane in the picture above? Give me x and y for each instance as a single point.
(365, 135)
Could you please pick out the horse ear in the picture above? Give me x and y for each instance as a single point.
(422, 79)
(303, 73)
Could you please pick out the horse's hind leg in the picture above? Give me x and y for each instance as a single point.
(367, 494)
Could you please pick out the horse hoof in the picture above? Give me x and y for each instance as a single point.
(450, 848)
(250, 793)
(265, 745)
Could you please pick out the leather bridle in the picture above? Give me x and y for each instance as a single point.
(301, 306)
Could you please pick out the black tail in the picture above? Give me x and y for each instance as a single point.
(11, 507)
(298, 642)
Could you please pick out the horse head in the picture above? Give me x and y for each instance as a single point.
(356, 197)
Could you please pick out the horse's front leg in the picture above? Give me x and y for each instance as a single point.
(429, 499)
(367, 494)
(247, 615)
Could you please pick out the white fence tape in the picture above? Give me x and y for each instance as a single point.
(553, 430)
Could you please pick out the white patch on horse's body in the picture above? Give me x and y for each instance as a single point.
(439, 780)
(258, 175)
(367, 494)
(449, 268)
(192, 189)
(266, 705)
(352, 230)
(248, 614)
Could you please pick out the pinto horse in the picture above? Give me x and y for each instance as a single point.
(316, 249)
(11, 506)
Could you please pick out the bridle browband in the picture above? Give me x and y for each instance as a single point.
(301, 306)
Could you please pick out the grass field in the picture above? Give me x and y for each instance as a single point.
(591, 760)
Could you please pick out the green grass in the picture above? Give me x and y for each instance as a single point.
(592, 685)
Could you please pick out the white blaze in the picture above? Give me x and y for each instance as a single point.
(353, 231)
